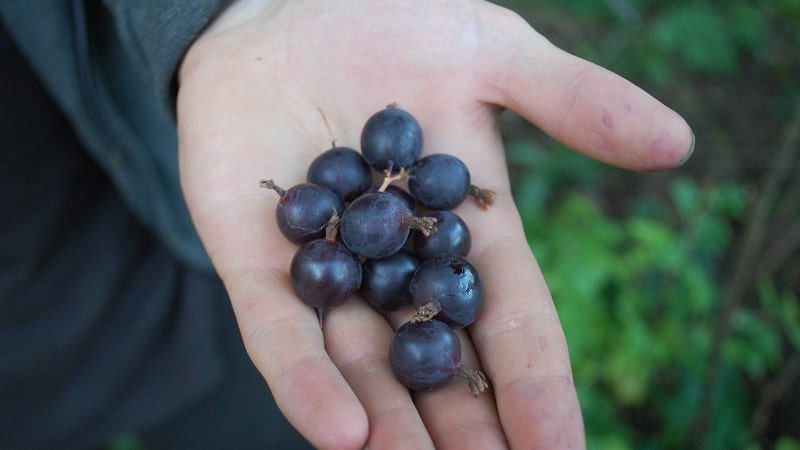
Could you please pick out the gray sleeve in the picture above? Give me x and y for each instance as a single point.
(158, 33)
(110, 66)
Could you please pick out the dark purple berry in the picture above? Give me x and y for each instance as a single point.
(324, 273)
(342, 170)
(385, 281)
(439, 181)
(452, 236)
(391, 139)
(425, 355)
(377, 225)
(401, 193)
(448, 285)
(304, 210)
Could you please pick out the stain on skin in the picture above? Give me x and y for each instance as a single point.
(608, 121)
(543, 344)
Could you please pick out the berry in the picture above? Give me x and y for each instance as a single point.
(377, 225)
(425, 355)
(304, 210)
(342, 170)
(391, 139)
(402, 194)
(452, 236)
(323, 272)
(439, 181)
(447, 287)
(385, 281)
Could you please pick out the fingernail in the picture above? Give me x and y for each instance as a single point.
(691, 150)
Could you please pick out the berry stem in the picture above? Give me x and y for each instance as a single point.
(426, 225)
(426, 312)
(333, 226)
(477, 380)
(389, 178)
(484, 197)
(269, 184)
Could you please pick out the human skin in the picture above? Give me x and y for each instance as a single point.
(250, 91)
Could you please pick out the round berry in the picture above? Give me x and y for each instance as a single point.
(391, 139)
(385, 281)
(439, 181)
(342, 170)
(377, 225)
(324, 273)
(452, 236)
(304, 210)
(449, 285)
(425, 355)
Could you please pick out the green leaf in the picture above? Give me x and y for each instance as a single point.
(698, 35)
(787, 443)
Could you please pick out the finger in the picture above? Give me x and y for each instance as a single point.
(522, 346)
(585, 106)
(235, 219)
(358, 340)
(517, 335)
(454, 417)
(285, 342)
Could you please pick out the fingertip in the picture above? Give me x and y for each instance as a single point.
(545, 411)
(670, 147)
(287, 346)
(327, 413)
(349, 433)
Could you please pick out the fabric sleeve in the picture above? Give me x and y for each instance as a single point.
(110, 66)
(159, 33)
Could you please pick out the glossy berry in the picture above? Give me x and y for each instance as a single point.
(385, 281)
(324, 273)
(304, 210)
(391, 139)
(400, 193)
(425, 355)
(342, 170)
(450, 285)
(452, 236)
(439, 181)
(376, 225)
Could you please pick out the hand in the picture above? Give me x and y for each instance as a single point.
(250, 91)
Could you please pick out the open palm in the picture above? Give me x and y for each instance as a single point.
(251, 89)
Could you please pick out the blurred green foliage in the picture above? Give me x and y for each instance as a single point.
(669, 348)
(637, 296)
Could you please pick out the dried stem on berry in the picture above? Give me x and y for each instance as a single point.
(333, 226)
(484, 197)
(426, 225)
(269, 184)
(389, 178)
(477, 380)
(426, 312)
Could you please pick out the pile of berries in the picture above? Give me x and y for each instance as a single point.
(395, 246)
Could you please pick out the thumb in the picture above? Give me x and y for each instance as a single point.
(582, 105)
